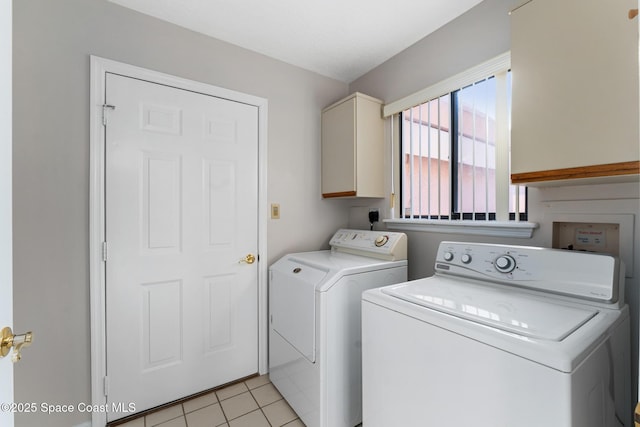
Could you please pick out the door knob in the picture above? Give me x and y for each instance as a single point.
(249, 259)
(17, 341)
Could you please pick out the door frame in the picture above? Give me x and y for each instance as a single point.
(6, 191)
(97, 271)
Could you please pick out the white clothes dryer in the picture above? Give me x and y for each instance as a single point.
(315, 322)
(500, 336)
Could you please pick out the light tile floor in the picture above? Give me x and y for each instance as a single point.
(252, 403)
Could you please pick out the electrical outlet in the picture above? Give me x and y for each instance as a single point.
(275, 211)
(374, 216)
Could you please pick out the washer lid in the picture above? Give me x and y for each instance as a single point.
(338, 264)
(506, 310)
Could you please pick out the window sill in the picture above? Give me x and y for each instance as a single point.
(523, 230)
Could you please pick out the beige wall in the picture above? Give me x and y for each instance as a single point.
(480, 34)
(52, 44)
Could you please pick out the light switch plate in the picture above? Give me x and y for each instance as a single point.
(275, 211)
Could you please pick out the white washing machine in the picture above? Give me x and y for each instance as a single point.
(315, 318)
(500, 336)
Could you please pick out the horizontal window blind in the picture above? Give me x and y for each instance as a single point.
(499, 64)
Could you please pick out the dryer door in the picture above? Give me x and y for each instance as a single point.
(292, 303)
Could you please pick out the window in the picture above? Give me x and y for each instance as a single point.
(455, 155)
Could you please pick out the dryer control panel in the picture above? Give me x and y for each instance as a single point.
(375, 244)
(595, 277)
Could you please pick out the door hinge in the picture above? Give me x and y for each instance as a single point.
(106, 107)
(104, 251)
(106, 385)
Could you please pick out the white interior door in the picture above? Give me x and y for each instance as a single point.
(181, 212)
(6, 263)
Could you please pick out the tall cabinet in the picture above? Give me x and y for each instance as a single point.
(353, 148)
(575, 111)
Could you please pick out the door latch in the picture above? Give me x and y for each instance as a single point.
(17, 341)
(249, 259)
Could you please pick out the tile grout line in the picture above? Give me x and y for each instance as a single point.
(223, 411)
(227, 420)
(184, 414)
(242, 415)
(272, 403)
(219, 402)
(260, 407)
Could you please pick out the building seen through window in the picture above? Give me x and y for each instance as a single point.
(449, 154)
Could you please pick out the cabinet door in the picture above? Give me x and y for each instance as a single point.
(575, 89)
(339, 150)
(370, 149)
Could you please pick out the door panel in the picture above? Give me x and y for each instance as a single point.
(161, 318)
(181, 211)
(220, 206)
(218, 306)
(161, 195)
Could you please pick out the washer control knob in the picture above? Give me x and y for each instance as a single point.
(381, 240)
(505, 263)
(448, 256)
(466, 258)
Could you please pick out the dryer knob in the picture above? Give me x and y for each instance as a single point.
(448, 256)
(381, 240)
(466, 258)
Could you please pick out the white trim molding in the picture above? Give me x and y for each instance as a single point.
(517, 229)
(99, 68)
(499, 64)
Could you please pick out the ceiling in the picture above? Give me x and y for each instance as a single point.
(341, 39)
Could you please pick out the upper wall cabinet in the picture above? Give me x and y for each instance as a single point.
(353, 148)
(575, 90)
